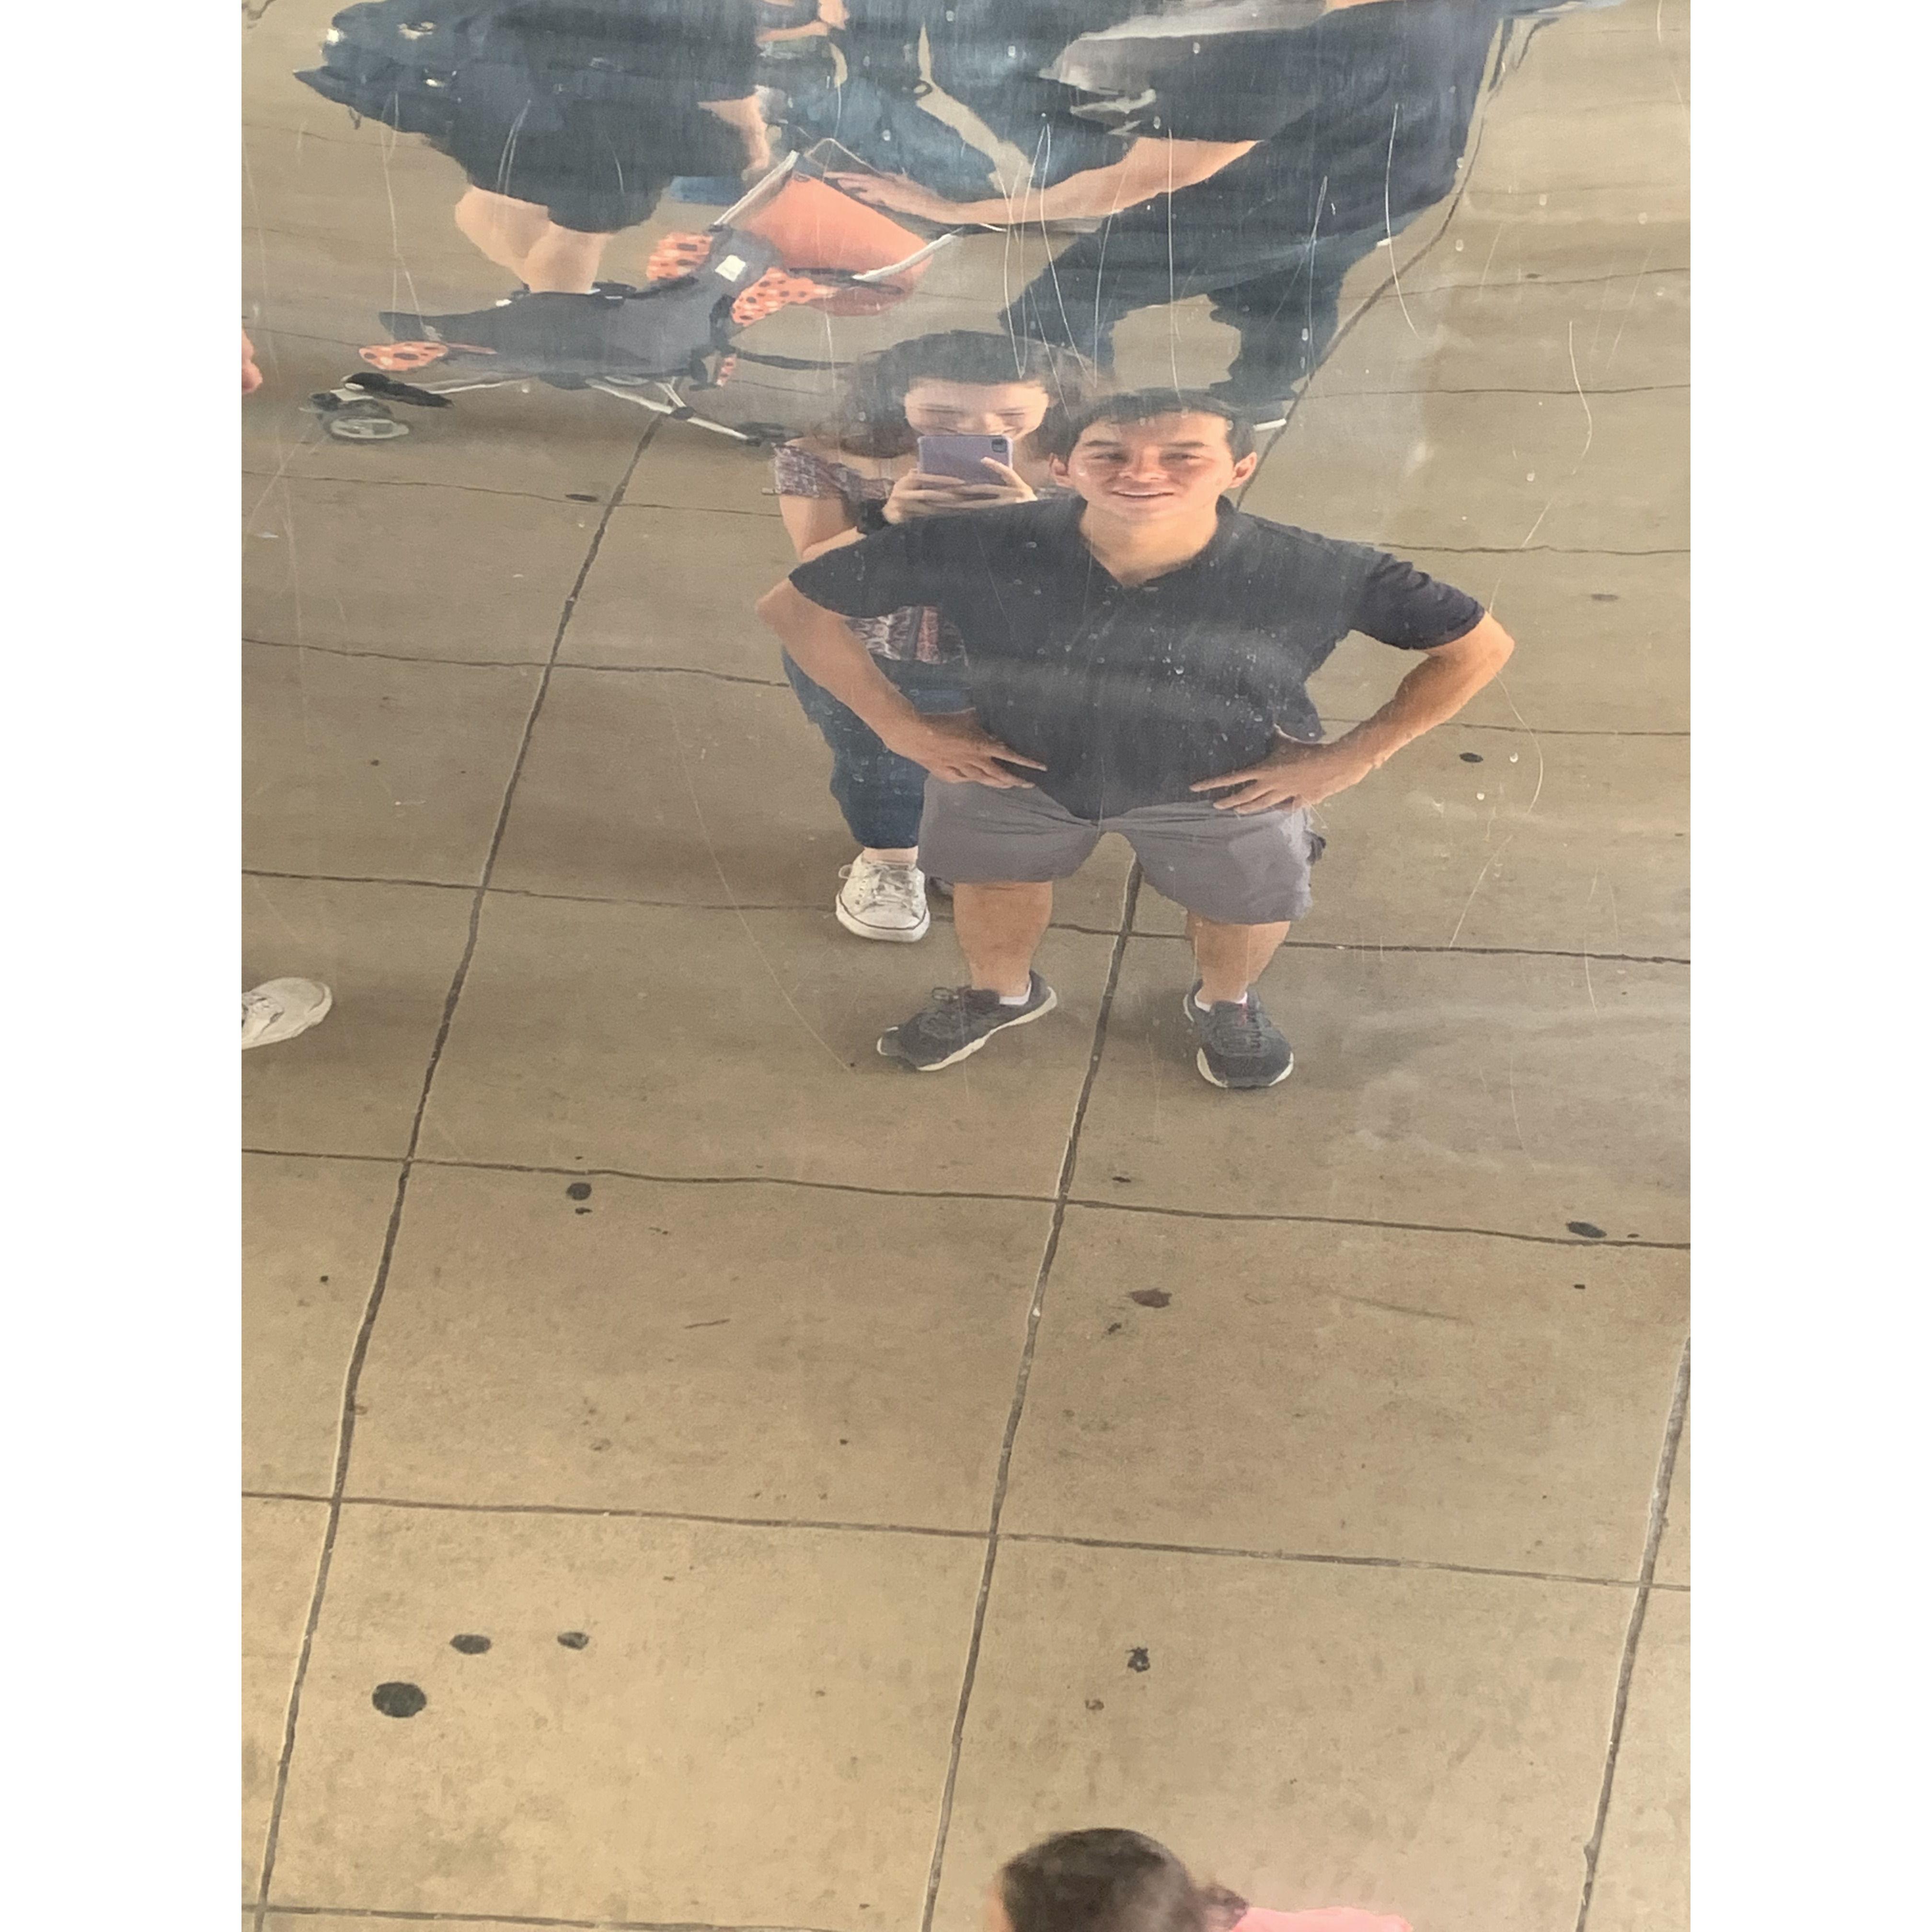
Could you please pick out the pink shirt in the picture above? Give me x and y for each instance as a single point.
(1329, 1918)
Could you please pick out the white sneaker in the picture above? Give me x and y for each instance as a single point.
(879, 901)
(280, 1009)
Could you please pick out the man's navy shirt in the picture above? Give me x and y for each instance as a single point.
(1128, 694)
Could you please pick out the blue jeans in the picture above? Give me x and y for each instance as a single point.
(880, 793)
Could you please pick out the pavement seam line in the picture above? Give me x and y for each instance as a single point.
(988, 1194)
(1660, 1505)
(401, 1917)
(1056, 926)
(1223, 1552)
(358, 1354)
(1063, 1190)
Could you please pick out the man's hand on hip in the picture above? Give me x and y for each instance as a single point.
(951, 745)
(1292, 774)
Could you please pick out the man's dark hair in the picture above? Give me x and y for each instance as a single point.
(872, 420)
(1109, 1881)
(1063, 428)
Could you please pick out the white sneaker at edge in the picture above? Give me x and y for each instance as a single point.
(882, 902)
(280, 1009)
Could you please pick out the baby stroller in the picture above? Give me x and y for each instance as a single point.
(794, 239)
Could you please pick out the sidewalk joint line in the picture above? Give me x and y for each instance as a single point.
(358, 1354)
(1048, 1538)
(1063, 1188)
(589, 1173)
(1660, 1506)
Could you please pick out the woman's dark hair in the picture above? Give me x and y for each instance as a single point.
(1063, 428)
(1110, 1881)
(872, 420)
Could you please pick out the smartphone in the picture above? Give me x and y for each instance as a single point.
(962, 456)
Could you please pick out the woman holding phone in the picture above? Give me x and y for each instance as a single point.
(930, 426)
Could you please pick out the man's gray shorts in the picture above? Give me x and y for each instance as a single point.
(1236, 870)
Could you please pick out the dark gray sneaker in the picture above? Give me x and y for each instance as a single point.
(957, 1020)
(1240, 1045)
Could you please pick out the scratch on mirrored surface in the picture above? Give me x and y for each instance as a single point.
(310, 431)
(261, 228)
(1388, 223)
(275, 913)
(1173, 320)
(1603, 309)
(1535, 744)
(385, 142)
(1487, 863)
(1589, 420)
(312, 428)
(1482, 280)
(1588, 985)
(1629, 305)
(1589, 436)
(294, 555)
(1033, 173)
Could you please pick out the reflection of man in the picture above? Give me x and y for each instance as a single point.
(1257, 170)
(1140, 652)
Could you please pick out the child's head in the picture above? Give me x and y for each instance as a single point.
(1106, 1881)
(963, 382)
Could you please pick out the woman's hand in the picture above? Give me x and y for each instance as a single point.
(916, 495)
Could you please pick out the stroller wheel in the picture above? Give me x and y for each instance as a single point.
(363, 422)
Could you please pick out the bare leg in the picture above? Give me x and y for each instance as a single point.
(997, 927)
(502, 229)
(1231, 957)
(564, 262)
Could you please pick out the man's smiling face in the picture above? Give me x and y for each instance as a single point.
(1143, 472)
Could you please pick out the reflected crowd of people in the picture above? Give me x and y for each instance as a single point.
(1027, 609)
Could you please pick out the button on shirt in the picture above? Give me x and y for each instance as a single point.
(1130, 694)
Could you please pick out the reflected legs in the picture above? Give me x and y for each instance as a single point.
(502, 229)
(1231, 958)
(564, 262)
(999, 926)
(520, 236)
(1283, 298)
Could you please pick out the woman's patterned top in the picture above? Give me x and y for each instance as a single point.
(916, 632)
